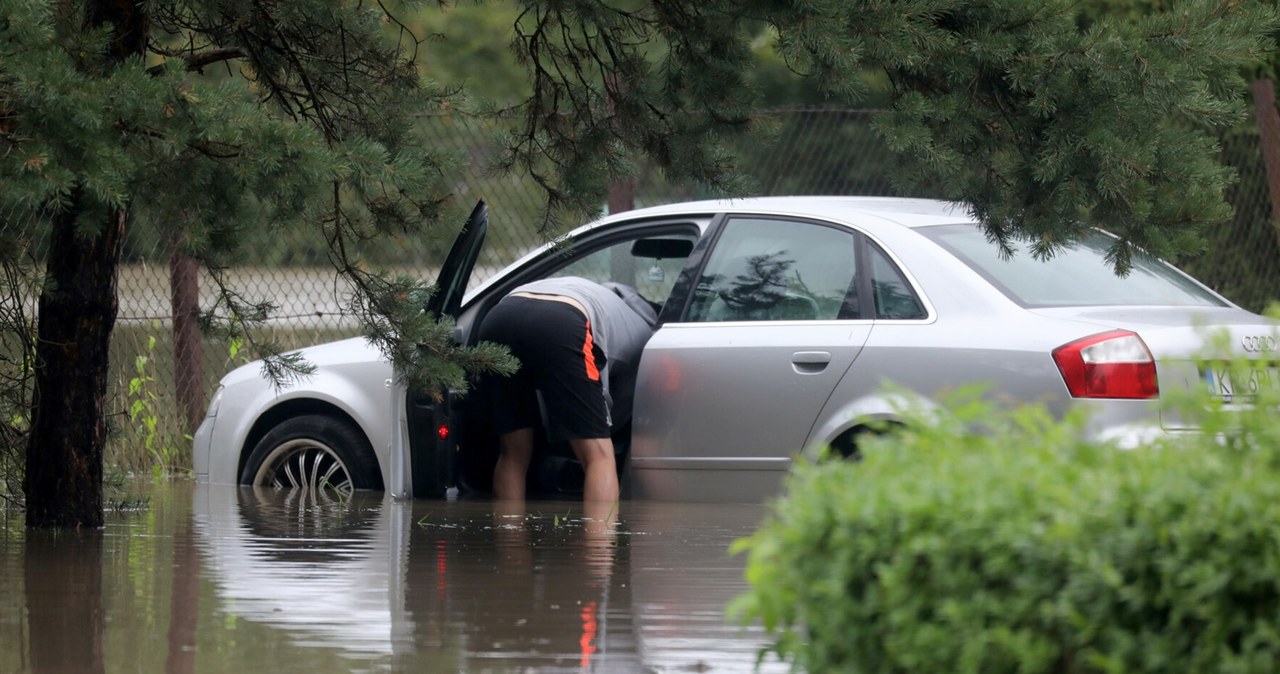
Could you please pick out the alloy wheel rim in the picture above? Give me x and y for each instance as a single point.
(305, 465)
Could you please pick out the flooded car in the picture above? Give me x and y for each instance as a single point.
(781, 325)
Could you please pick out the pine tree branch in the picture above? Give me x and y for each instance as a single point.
(197, 62)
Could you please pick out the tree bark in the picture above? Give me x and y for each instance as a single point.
(77, 314)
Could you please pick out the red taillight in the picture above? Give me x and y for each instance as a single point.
(1115, 364)
(443, 432)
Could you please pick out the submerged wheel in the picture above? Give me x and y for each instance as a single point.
(314, 453)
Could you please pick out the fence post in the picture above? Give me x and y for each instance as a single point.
(622, 194)
(188, 371)
(622, 189)
(1264, 105)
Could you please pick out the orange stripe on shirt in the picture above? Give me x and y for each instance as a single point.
(592, 373)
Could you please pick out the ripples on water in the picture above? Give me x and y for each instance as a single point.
(221, 579)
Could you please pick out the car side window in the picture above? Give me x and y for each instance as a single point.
(769, 269)
(894, 298)
(649, 265)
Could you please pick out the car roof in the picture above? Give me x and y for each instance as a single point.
(904, 211)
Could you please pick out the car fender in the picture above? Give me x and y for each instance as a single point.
(360, 390)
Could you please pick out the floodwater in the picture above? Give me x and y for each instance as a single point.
(226, 579)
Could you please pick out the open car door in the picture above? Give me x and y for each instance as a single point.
(426, 435)
(451, 284)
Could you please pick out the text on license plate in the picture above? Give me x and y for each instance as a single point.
(1227, 383)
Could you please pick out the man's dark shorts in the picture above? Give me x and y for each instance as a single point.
(558, 357)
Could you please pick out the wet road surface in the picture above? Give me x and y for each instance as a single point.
(224, 579)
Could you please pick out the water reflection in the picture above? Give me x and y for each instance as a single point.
(63, 572)
(484, 586)
(184, 601)
(321, 570)
(534, 585)
(221, 579)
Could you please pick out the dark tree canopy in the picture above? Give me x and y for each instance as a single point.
(210, 118)
(1045, 122)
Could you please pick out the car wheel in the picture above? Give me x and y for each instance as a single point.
(846, 446)
(316, 453)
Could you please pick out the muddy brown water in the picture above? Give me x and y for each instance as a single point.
(224, 579)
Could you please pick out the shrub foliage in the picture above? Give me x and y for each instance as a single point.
(1025, 548)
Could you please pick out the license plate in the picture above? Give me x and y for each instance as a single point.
(1230, 384)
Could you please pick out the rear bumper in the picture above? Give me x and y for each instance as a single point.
(1132, 436)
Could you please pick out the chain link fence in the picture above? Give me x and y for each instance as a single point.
(817, 151)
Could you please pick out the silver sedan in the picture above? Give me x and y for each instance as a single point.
(785, 325)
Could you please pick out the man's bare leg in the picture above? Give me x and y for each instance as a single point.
(515, 452)
(596, 457)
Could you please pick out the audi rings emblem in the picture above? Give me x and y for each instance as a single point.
(1258, 343)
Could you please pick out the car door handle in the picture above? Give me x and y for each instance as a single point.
(810, 362)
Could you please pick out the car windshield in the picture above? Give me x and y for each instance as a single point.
(1077, 275)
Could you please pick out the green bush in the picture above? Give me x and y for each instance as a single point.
(1026, 549)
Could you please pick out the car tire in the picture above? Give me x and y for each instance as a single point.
(846, 445)
(313, 452)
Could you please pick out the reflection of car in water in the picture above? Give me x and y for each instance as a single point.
(780, 320)
(319, 569)
(454, 586)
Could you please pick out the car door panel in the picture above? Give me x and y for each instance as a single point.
(728, 394)
(731, 398)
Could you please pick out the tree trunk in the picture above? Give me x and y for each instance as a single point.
(77, 314)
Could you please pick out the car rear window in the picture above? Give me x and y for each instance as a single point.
(1077, 275)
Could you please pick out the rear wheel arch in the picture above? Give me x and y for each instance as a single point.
(841, 425)
(845, 444)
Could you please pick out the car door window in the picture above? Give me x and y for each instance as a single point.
(894, 298)
(769, 269)
(650, 264)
